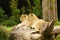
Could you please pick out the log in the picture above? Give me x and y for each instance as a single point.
(24, 34)
(46, 33)
(56, 30)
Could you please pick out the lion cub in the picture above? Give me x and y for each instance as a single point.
(26, 20)
(36, 23)
(23, 20)
(23, 17)
(32, 17)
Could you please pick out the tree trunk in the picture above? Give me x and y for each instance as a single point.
(49, 10)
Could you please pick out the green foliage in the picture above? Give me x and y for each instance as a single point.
(14, 8)
(23, 10)
(58, 37)
(14, 19)
(57, 23)
(1, 14)
(29, 5)
(4, 33)
(37, 9)
(37, 3)
(3, 17)
(37, 12)
(9, 23)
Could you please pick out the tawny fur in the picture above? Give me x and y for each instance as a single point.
(38, 24)
(32, 17)
(24, 21)
(27, 20)
(31, 21)
(23, 17)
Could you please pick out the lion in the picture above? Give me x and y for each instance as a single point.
(38, 24)
(23, 20)
(31, 21)
(23, 17)
(32, 17)
(27, 20)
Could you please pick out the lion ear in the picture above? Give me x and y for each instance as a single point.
(31, 14)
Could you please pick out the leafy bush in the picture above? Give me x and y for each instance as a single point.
(57, 23)
(58, 37)
(38, 12)
(14, 18)
(15, 12)
(10, 22)
(1, 14)
(23, 9)
(14, 8)
(4, 33)
(37, 9)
